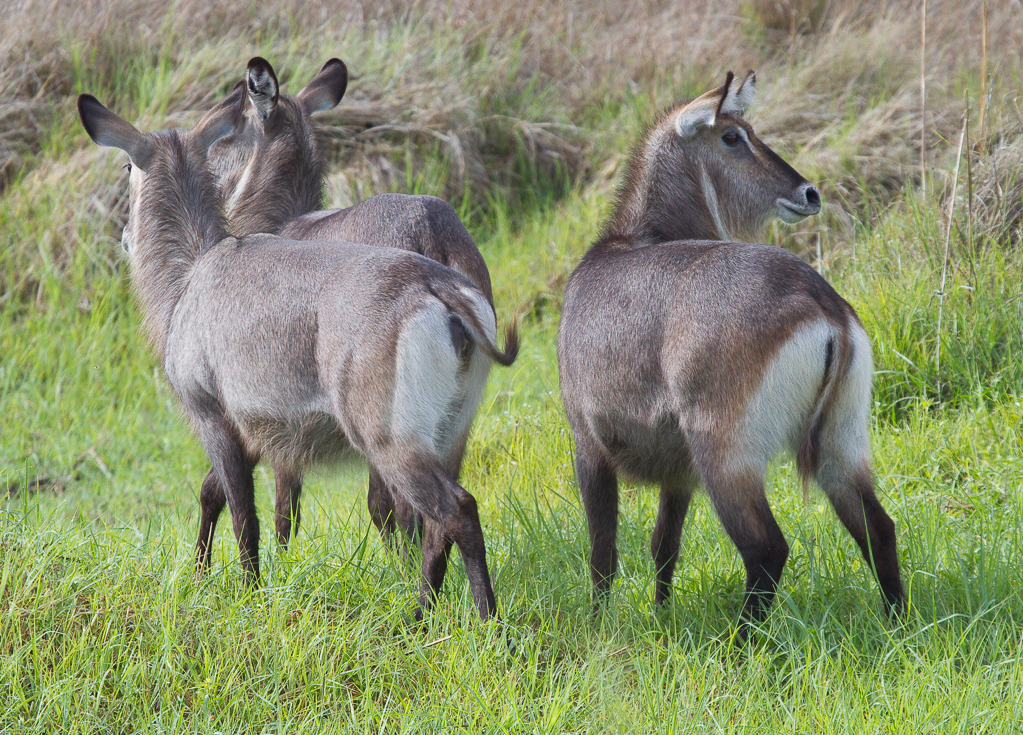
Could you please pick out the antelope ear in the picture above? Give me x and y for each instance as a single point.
(695, 116)
(702, 112)
(222, 120)
(264, 91)
(737, 99)
(327, 89)
(107, 129)
(235, 98)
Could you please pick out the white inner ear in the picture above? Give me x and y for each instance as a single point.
(262, 97)
(320, 102)
(739, 99)
(694, 117)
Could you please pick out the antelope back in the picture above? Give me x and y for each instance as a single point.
(269, 171)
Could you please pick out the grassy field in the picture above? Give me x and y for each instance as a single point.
(522, 117)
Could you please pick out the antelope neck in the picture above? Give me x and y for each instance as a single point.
(175, 219)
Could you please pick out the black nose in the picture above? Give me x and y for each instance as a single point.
(813, 197)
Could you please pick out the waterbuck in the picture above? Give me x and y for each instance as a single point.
(271, 174)
(302, 351)
(687, 358)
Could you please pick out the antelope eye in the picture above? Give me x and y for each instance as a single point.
(127, 167)
(731, 138)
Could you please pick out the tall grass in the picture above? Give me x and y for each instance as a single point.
(522, 116)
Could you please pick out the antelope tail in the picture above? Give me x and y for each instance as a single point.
(457, 303)
(836, 364)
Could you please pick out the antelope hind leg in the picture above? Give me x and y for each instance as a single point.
(598, 487)
(667, 536)
(450, 516)
(381, 505)
(854, 500)
(211, 503)
(436, 550)
(233, 469)
(741, 504)
(287, 509)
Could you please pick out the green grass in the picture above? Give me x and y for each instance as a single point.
(103, 627)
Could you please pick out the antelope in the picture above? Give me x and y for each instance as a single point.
(304, 351)
(688, 358)
(270, 172)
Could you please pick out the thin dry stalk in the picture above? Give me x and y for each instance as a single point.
(437, 642)
(944, 262)
(923, 97)
(983, 74)
(969, 190)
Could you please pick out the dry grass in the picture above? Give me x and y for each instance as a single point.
(502, 100)
(998, 194)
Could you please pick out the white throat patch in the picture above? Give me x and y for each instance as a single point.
(239, 190)
(711, 197)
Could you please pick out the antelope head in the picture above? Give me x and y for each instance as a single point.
(702, 173)
(164, 153)
(269, 170)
